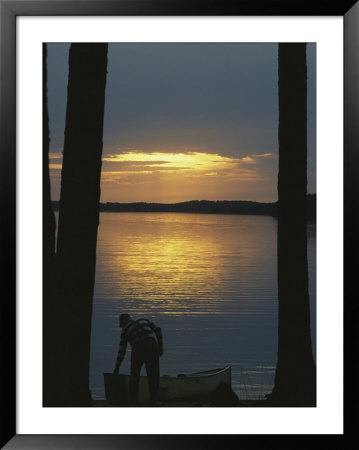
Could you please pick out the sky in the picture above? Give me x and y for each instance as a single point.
(185, 121)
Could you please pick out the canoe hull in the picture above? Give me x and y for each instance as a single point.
(193, 387)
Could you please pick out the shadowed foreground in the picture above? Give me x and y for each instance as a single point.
(222, 396)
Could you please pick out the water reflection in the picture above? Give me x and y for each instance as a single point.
(209, 281)
(183, 264)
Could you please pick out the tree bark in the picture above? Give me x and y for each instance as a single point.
(295, 380)
(79, 219)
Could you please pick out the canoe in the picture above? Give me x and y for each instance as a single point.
(193, 387)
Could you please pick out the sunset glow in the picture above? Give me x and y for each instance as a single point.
(184, 122)
(173, 177)
(206, 164)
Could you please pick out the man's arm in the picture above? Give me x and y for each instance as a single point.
(121, 353)
(158, 333)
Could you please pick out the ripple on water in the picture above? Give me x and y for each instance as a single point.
(209, 281)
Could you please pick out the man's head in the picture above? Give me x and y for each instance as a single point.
(124, 318)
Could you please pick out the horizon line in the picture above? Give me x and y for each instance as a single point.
(188, 201)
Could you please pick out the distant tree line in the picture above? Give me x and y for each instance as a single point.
(204, 207)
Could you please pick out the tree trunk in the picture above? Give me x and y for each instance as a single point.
(48, 252)
(79, 217)
(295, 380)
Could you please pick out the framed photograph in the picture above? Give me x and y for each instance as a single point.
(189, 154)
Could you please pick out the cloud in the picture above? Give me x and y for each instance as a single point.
(136, 175)
(265, 155)
(55, 166)
(188, 164)
(55, 155)
(160, 167)
(179, 161)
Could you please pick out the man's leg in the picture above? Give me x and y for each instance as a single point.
(136, 364)
(153, 370)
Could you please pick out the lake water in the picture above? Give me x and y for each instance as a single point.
(210, 283)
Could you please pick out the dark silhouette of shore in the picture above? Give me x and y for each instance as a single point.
(204, 207)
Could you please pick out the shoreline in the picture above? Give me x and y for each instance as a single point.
(183, 404)
(228, 207)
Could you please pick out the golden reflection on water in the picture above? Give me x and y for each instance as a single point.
(210, 283)
(181, 263)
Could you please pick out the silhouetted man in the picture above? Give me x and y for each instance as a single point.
(146, 342)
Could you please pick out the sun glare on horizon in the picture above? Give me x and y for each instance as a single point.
(136, 176)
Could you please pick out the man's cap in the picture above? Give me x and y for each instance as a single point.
(124, 318)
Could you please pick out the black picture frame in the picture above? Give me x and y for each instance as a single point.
(9, 10)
